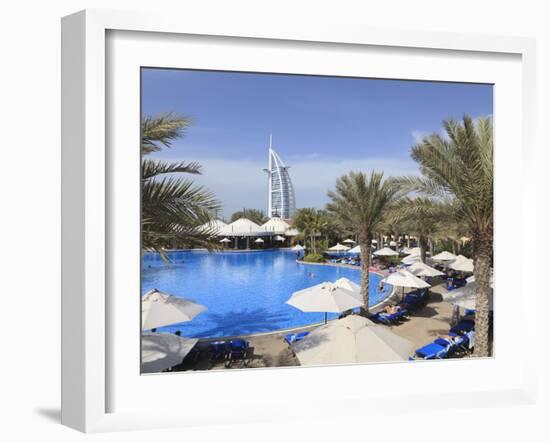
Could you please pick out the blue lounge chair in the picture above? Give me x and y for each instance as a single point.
(463, 327)
(459, 282)
(382, 318)
(450, 286)
(390, 318)
(433, 351)
(238, 349)
(291, 338)
(218, 351)
(458, 343)
(414, 300)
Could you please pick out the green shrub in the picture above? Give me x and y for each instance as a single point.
(314, 257)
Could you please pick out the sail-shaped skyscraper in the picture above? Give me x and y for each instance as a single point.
(281, 201)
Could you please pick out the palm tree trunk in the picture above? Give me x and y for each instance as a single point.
(364, 245)
(422, 243)
(483, 249)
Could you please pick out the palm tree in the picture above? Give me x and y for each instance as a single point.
(360, 203)
(423, 217)
(460, 165)
(173, 209)
(312, 223)
(255, 215)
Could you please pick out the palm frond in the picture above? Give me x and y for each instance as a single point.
(160, 131)
(152, 168)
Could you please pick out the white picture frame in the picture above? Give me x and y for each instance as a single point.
(87, 217)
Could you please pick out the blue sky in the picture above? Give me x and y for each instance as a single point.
(322, 127)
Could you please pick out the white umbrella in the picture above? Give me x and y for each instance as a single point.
(225, 240)
(411, 259)
(418, 268)
(386, 252)
(404, 278)
(444, 256)
(465, 297)
(353, 339)
(325, 297)
(462, 264)
(279, 238)
(159, 309)
(473, 278)
(160, 351)
(339, 248)
(412, 251)
(259, 241)
(356, 249)
(298, 248)
(349, 241)
(348, 284)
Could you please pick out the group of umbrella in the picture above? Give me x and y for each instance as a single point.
(462, 297)
(351, 339)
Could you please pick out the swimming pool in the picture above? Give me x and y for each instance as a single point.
(245, 292)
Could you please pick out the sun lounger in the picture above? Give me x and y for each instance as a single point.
(414, 300)
(382, 318)
(463, 327)
(193, 356)
(291, 338)
(218, 351)
(390, 318)
(238, 349)
(433, 351)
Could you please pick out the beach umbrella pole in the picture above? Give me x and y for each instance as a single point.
(325, 317)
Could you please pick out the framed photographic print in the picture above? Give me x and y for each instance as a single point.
(293, 212)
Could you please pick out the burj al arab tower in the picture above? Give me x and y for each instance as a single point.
(281, 201)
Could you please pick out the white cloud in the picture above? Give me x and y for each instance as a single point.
(239, 184)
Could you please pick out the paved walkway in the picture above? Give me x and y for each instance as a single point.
(426, 323)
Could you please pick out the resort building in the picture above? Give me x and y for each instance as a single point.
(243, 227)
(245, 234)
(276, 226)
(215, 226)
(281, 201)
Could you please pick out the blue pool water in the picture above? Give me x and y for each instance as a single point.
(245, 292)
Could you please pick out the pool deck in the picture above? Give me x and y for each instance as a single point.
(270, 349)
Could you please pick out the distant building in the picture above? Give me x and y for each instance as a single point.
(281, 201)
